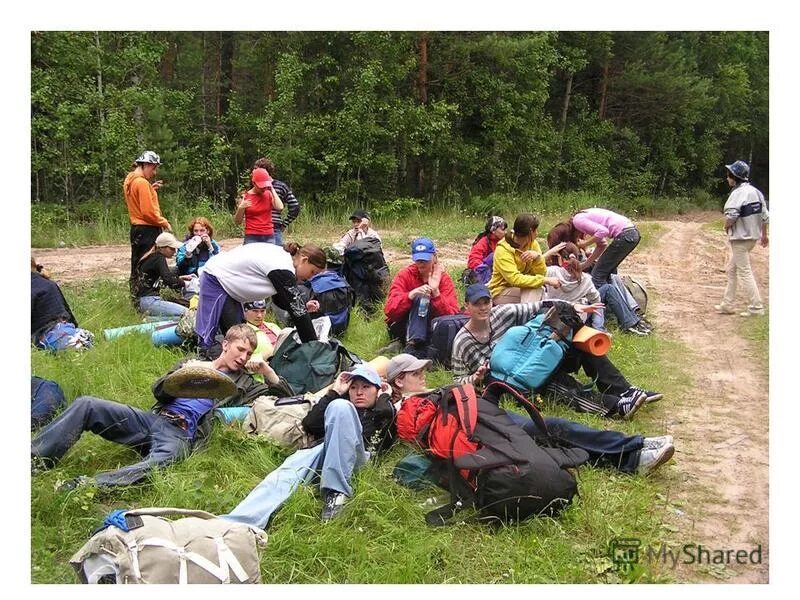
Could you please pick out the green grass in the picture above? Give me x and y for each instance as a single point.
(381, 537)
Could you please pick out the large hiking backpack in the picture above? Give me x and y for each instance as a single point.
(638, 291)
(141, 546)
(279, 420)
(443, 332)
(335, 297)
(46, 398)
(365, 269)
(310, 366)
(527, 355)
(488, 460)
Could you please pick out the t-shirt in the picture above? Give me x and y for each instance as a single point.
(191, 409)
(242, 272)
(258, 216)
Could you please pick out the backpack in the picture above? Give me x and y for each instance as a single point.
(310, 366)
(185, 325)
(335, 297)
(365, 269)
(46, 398)
(279, 420)
(141, 546)
(489, 461)
(443, 332)
(527, 355)
(638, 291)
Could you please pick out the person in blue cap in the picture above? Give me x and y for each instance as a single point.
(419, 292)
(353, 420)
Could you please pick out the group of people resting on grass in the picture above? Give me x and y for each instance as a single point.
(355, 419)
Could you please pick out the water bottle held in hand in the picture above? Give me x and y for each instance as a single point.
(424, 303)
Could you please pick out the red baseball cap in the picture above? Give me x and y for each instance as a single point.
(261, 177)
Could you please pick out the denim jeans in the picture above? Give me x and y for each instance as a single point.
(615, 302)
(251, 238)
(334, 462)
(278, 236)
(46, 398)
(605, 447)
(617, 250)
(155, 306)
(152, 435)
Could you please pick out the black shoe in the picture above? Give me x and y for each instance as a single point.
(631, 401)
(646, 324)
(332, 505)
(637, 329)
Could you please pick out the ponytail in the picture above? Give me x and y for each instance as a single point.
(314, 254)
(569, 254)
(291, 247)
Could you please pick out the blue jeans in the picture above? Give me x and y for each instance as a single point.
(334, 462)
(617, 250)
(605, 447)
(152, 435)
(278, 236)
(616, 303)
(251, 238)
(46, 398)
(155, 306)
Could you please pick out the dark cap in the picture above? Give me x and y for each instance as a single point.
(475, 292)
(359, 213)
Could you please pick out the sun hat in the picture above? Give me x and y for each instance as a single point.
(166, 239)
(149, 157)
(199, 381)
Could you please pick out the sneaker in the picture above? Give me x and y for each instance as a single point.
(659, 441)
(637, 329)
(71, 484)
(753, 312)
(653, 396)
(724, 309)
(332, 505)
(631, 401)
(392, 348)
(652, 458)
(646, 324)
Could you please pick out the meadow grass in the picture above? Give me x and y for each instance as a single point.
(382, 536)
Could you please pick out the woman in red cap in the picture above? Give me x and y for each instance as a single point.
(255, 209)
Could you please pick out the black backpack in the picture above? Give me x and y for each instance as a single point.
(310, 366)
(365, 269)
(443, 332)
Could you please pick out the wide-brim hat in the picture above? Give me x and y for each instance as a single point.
(199, 381)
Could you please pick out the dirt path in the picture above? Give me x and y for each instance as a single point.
(721, 428)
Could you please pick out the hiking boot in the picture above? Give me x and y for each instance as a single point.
(659, 441)
(637, 329)
(652, 458)
(724, 309)
(631, 401)
(653, 396)
(332, 505)
(753, 312)
(71, 484)
(392, 348)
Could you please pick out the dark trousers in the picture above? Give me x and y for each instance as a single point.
(617, 250)
(605, 447)
(606, 375)
(153, 436)
(142, 239)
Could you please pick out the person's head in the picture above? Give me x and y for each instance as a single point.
(254, 312)
(737, 172)
(264, 163)
(167, 244)
(365, 383)
(562, 232)
(148, 161)
(406, 373)
(308, 260)
(568, 259)
(525, 227)
(200, 226)
(478, 300)
(495, 227)
(261, 179)
(423, 253)
(357, 216)
(237, 347)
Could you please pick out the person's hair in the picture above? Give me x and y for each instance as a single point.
(570, 255)
(244, 332)
(264, 163)
(487, 227)
(524, 224)
(562, 232)
(204, 222)
(314, 254)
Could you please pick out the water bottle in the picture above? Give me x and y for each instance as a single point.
(424, 303)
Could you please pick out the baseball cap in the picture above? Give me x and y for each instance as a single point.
(261, 177)
(422, 249)
(404, 363)
(367, 373)
(257, 304)
(359, 214)
(167, 239)
(475, 292)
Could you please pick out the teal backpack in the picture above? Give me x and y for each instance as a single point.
(310, 366)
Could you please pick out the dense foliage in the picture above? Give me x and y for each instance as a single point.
(376, 118)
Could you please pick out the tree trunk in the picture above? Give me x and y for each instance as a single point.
(564, 111)
(422, 72)
(102, 120)
(601, 113)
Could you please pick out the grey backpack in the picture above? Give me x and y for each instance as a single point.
(198, 548)
(638, 292)
(280, 420)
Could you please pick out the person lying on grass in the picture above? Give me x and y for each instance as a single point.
(352, 421)
(607, 448)
(473, 345)
(167, 433)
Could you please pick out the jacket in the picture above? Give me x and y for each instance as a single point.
(510, 271)
(398, 305)
(48, 304)
(480, 250)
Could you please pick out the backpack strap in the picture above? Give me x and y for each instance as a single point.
(522, 401)
(467, 407)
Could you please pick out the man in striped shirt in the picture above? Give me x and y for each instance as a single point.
(287, 197)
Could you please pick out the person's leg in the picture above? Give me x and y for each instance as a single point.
(615, 280)
(530, 295)
(113, 421)
(344, 447)
(729, 297)
(508, 296)
(564, 389)
(259, 505)
(142, 238)
(278, 236)
(615, 303)
(616, 252)
(607, 377)
(231, 314)
(209, 309)
(397, 329)
(741, 253)
(155, 306)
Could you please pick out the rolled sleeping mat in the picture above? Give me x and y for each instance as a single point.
(592, 340)
(166, 336)
(115, 332)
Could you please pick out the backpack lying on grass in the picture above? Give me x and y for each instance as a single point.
(279, 420)
(310, 366)
(141, 546)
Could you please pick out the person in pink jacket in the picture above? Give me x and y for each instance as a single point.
(419, 293)
(596, 226)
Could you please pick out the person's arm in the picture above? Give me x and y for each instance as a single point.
(478, 252)
(446, 301)
(158, 387)
(347, 239)
(241, 207)
(276, 199)
(169, 279)
(289, 297)
(764, 236)
(214, 248)
(147, 200)
(506, 266)
(292, 203)
(398, 303)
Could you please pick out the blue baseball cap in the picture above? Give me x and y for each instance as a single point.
(366, 373)
(475, 292)
(422, 249)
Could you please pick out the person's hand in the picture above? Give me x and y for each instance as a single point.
(555, 249)
(588, 308)
(185, 278)
(481, 373)
(206, 240)
(244, 203)
(529, 256)
(157, 184)
(342, 383)
(385, 388)
(312, 306)
(764, 241)
(168, 227)
(363, 225)
(436, 277)
(552, 282)
(423, 290)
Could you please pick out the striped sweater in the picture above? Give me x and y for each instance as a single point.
(289, 201)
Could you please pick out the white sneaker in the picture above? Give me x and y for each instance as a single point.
(724, 309)
(653, 443)
(752, 312)
(652, 458)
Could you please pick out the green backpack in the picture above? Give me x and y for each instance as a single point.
(310, 366)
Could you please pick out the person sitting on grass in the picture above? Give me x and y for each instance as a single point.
(361, 230)
(418, 293)
(164, 435)
(473, 345)
(153, 274)
(352, 421)
(481, 255)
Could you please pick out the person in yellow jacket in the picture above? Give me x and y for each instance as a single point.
(141, 197)
(519, 270)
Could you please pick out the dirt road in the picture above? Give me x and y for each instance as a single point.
(721, 428)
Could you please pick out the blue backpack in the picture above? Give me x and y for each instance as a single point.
(335, 297)
(527, 355)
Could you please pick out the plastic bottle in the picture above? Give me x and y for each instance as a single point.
(424, 303)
